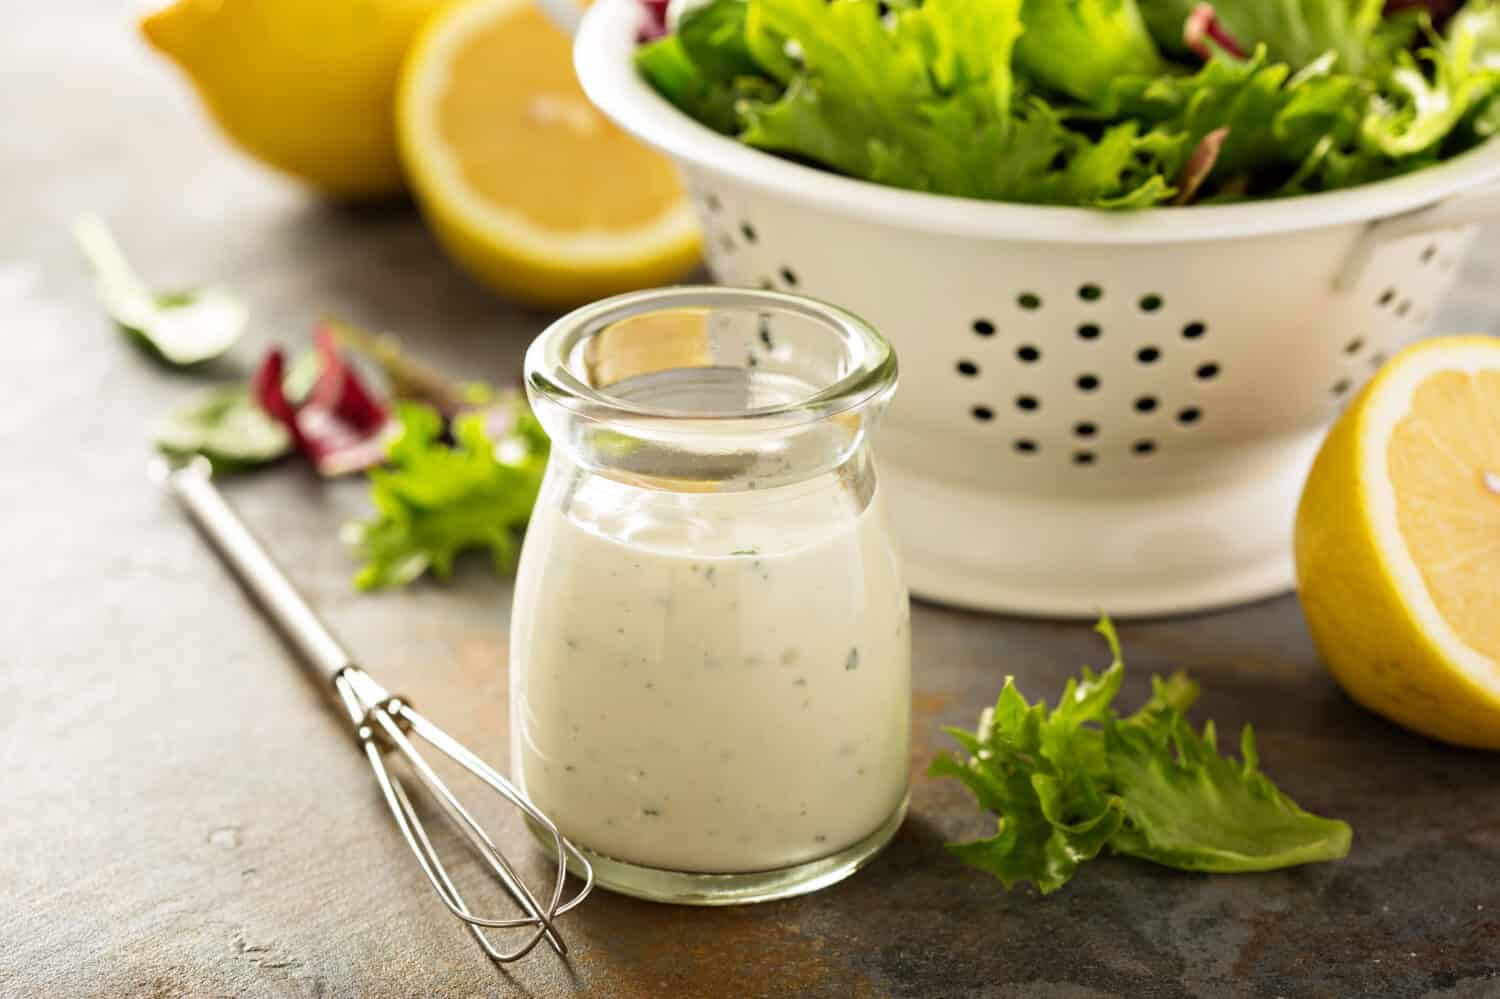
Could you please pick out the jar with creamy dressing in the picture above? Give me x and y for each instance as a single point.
(710, 643)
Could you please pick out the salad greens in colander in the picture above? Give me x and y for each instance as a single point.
(1103, 103)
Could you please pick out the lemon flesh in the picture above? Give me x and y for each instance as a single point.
(523, 181)
(304, 86)
(1398, 542)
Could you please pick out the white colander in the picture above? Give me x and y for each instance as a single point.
(1097, 411)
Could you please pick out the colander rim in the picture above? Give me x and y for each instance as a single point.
(602, 57)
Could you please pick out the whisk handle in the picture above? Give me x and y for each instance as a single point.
(317, 647)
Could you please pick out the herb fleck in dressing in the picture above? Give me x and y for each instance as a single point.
(693, 765)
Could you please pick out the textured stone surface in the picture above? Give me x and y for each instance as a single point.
(178, 817)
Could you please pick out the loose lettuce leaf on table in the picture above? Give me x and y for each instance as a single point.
(225, 425)
(434, 499)
(180, 328)
(1066, 783)
(1190, 808)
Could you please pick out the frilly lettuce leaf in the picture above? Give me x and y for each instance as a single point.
(1296, 32)
(1076, 47)
(925, 98)
(705, 68)
(1067, 783)
(434, 500)
(1190, 808)
(1414, 113)
(1073, 102)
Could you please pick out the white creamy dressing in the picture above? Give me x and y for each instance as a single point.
(722, 690)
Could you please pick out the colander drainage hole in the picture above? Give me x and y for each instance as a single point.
(1194, 330)
(1151, 302)
(1354, 346)
(1028, 354)
(1089, 331)
(1085, 429)
(1377, 359)
(1143, 447)
(1386, 297)
(1207, 372)
(1087, 383)
(1189, 415)
(1083, 457)
(1029, 300)
(983, 327)
(1403, 308)
(1340, 387)
(968, 369)
(1090, 292)
(1145, 404)
(1028, 403)
(1148, 355)
(1428, 252)
(789, 276)
(766, 284)
(1025, 445)
(983, 414)
(748, 231)
(712, 202)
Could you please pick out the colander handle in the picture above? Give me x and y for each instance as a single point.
(566, 14)
(1482, 204)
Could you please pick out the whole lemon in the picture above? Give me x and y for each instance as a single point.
(302, 85)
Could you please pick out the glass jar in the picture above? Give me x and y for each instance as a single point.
(710, 643)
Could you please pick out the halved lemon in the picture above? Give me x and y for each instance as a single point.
(524, 182)
(1398, 542)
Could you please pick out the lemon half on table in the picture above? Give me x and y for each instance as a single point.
(1398, 542)
(523, 181)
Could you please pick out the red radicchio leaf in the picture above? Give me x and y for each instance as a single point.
(654, 24)
(341, 426)
(1200, 163)
(267, 390)
(1202, 27)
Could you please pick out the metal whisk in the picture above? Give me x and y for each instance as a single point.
(384, 724)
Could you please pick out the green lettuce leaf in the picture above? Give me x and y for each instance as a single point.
(705, 68)
(1415, 112)
(1077, 47)
(180, 328)
(1052, 815)
(1066, 783)
(225, 425)
(434, 500)
(1190, 808)
(925, 98)
(716, 103)
(1070, 101)
(1296, 32)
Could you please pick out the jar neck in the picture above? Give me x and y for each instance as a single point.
(592, 496)
(710, 389)
(852, 470)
